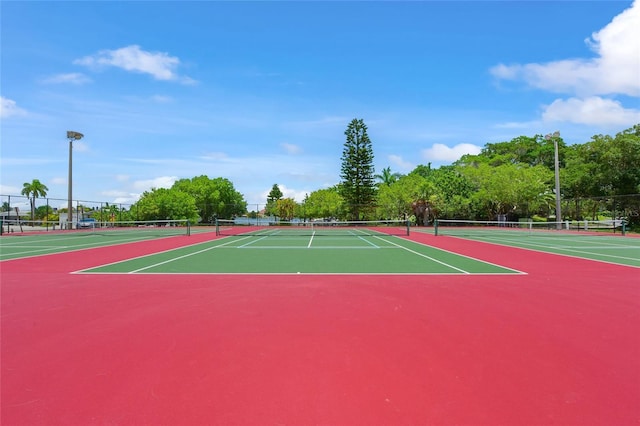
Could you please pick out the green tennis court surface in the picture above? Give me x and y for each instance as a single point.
(27, 245)
(305, 254)
(605, 248)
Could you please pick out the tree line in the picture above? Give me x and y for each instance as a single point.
(514, 179)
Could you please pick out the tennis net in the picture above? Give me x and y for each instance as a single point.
(488, 227)
(313, 228)
(159, 228)
(151, 228)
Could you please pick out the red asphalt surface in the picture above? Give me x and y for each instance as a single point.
(559, 346)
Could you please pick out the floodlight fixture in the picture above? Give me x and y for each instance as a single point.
(72, 136)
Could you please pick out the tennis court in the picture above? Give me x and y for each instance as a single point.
(379, 328)
(275, 250)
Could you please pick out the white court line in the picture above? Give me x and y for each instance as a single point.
(184, 256)
(75, 247)
(369, 242)
(473, 258)
(584, 240)
(374, 274)
(316, 247)
(82, 271)
(34, 251)
(225, 245)
(26, 240)
(311, 239)
(37, 239)
(424, 255)
(511, 244)
(604, 248)
(32, 247)
(519, 243)
(252, 242)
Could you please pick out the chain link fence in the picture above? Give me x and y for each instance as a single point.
(53, 212)
(625, 207)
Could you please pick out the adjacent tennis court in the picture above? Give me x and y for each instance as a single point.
(591, 240)
(38, 241)
(379, 327)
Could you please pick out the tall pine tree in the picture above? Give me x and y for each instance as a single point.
(358, 182)
(272, 200)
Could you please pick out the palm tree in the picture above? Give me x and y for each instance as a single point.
(34, 190)
(387, 178)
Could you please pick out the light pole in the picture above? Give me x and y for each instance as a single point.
(555, 137)
(72, 136)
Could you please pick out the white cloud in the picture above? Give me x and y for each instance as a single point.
(59, 181)
(403, 165)
(615, 69)
(442, 153)
(132, 58)
(296, 194)
(115, 193)
(215, 156)
(127, 199)
(517, 125)
(70, 78)
(8, 189)
(21, 205)
(121, 196)
(9, 108)
(291, 148)
(161, 99)
(188, 81)
(505, 72)
(79, 146)
(159, 182)
(591, 111)
(26, 161)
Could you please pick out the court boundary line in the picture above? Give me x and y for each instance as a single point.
(424, 255)
(370, 242)
(517, 271)
(372, 274)
(313, 248)
(542, 251)
(131, 241)
(375, 236)
(252, 242)
(233, 239)
(81, 271)
(552, 247)
(178, 258)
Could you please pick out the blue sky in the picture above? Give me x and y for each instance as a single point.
(261, 92)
